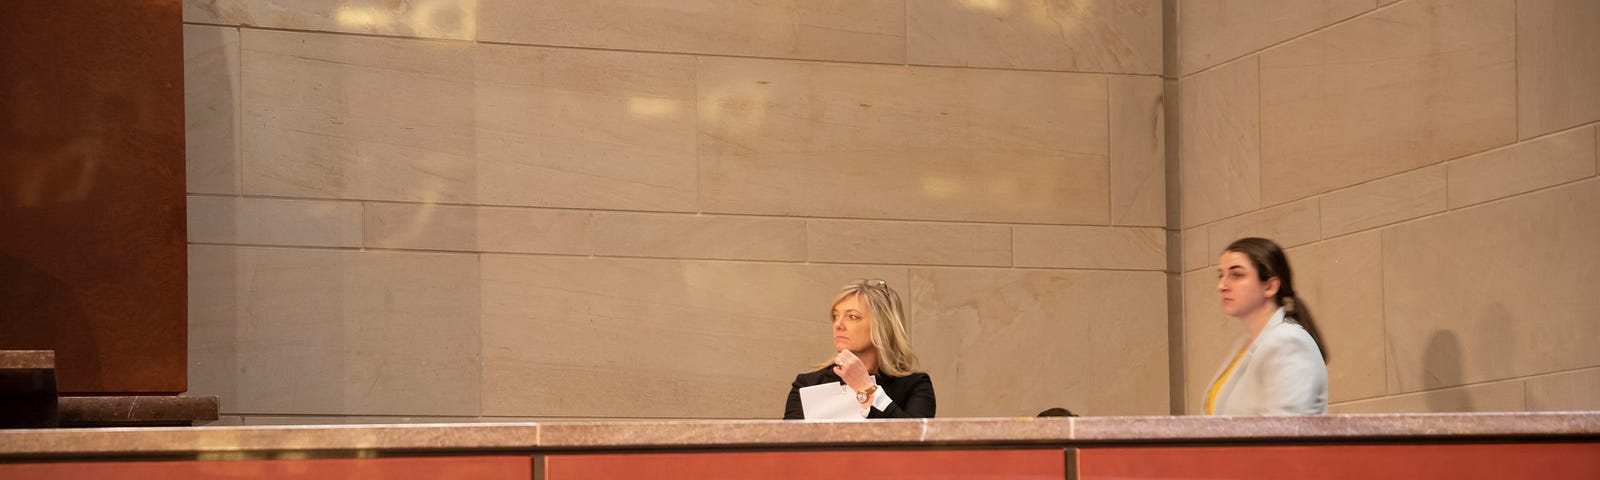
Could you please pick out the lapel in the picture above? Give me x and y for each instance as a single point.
(1237, 344)
(1244, 362)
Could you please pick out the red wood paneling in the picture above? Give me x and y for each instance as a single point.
(488, 468)
(874, 465)
(92, 252)
(1496, 461)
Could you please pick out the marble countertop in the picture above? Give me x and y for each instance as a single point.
(746, 434)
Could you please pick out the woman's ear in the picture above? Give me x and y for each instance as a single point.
(1272, 287)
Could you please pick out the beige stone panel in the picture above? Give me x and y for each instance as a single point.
(265, 221)
(872, 141)
(338, 116)
(1129, 357)
(586, 128)
(1007, 343)
(1558, 66)
(211, 109)
(477, 229)
(1208, 335)
(700, 236)
(1404, 87)
(1524, 167)
(1384, 201)
(452, 19)
(1489, 397)
(653, 337)
(1112, 37)
(1341, 283)
(1215, 31)
(1566, 391)
(419, 121)
(845, 30)
(1220, 142)
(913, 243)
(1138, 151)
(1116, 248)
(326, 332)
(1495, 291)
(1288, 225)
(1197, 252)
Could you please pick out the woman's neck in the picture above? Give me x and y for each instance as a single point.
(1256, 321)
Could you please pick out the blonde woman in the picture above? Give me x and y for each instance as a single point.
(872, 355)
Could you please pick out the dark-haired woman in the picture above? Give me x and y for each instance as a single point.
(1280, 366)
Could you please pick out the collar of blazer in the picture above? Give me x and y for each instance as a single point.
(1276, 320)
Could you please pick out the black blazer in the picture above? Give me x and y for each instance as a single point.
(911, 395)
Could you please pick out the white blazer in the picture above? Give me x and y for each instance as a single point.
(1282, 374)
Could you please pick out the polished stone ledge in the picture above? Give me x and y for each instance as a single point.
(134, 441)
(744, 434)
(129, 410)
(27, 359)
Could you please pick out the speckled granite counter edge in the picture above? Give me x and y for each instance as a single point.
(711, 435)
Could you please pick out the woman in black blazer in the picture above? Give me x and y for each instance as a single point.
(872, 355)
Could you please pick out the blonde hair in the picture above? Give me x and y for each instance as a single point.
(889, 336)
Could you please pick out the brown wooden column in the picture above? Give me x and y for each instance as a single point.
(92, 229)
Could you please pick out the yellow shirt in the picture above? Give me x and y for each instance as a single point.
(1216, 388)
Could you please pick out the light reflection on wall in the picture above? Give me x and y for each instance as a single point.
(941, 186)
(997, 6)
(427, 18)
(367, 18)
(1041, 12)
(423, 220)
(442, 18)
(646, 107)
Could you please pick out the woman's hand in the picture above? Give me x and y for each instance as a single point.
(850, 369)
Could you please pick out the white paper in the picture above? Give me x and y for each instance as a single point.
(830, 401)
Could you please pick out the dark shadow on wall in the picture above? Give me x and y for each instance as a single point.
(1445, 359)
(1441, 367)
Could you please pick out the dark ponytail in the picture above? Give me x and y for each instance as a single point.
(1270, 261)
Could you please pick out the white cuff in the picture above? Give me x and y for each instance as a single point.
(880, 400)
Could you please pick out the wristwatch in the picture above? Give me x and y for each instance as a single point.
(862, 396)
